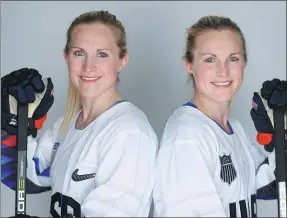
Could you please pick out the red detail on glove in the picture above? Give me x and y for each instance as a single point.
(10, 141)
(39, 123)
(264, 138)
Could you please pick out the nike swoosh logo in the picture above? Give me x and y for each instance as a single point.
(77, 178)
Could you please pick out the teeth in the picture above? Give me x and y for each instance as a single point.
(221, 84)
(90, 78)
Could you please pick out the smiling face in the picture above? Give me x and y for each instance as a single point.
(218, 64)
(93, 59)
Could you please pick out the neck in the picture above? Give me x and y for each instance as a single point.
(217, 111)
(94, 107)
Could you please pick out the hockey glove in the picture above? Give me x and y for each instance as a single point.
(273, 94)
(25, 86)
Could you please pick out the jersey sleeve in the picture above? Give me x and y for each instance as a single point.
(265, 171)
(39, 153)
(125, 177)
(185, 185)
(265, 174)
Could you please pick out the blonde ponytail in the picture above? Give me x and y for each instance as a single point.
(73, 105)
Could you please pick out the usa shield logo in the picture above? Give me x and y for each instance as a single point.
(227, 172)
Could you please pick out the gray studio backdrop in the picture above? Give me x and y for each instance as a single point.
(33, 35)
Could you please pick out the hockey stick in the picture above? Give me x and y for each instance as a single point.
(20, 195)
(280, 155)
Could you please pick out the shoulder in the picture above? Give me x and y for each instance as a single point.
(188, 138)
(125, 129)
(187, 125)
(126, 117)
(131, 117)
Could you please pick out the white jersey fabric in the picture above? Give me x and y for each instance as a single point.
(203, 171)
(104, 170)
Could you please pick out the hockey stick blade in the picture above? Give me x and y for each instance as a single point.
(20, 195)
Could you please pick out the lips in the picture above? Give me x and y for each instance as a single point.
(90, 79)
(222, 84)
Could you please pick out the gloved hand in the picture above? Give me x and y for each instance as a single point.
(275, 93)
(272, 95)
(25, 86)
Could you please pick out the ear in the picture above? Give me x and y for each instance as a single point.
(188, 67)
(66, 56)
(123, 62)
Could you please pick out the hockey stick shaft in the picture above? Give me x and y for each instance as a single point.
(280, 155)
(20, 196)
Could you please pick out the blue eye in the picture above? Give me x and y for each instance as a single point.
(209, 60)
(102, 54)
(79, 53)
(233, 59)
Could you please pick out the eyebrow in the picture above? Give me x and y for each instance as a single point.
(101, 49)
(234, 53)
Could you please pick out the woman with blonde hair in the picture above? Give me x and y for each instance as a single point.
(99, 159)
(207, 165)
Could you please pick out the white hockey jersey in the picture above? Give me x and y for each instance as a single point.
(202, 171)
(106, 169)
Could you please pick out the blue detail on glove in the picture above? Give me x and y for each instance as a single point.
(259, 116)
(268, 192)
(9, 170)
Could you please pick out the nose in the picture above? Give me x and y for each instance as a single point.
(89, 64)
(223, 70)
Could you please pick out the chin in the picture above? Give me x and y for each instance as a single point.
(89, 96)
(223, 94)
(89, 93)
(222, 97)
